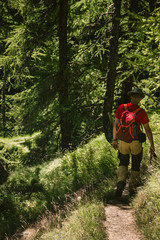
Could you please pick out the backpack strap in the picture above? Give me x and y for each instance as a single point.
(125, 107)
(135, 111)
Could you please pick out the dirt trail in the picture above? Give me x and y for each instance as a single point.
(120, 221)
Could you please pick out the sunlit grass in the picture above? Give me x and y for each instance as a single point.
(147, 207)
(83, 223)
(18, 141)
(33, 189)
(30, 190)
(50, 166)
(147, 201)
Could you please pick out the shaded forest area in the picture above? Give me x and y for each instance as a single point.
(64, 63)
(65, 66)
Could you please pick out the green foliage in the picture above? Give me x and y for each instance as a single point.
(32, 190)
(30, 60)
(29, 64)
(84, 223)
(19, 151)
(146, 203)
(86, 166)
(147, 207)
(139, 55)
(91, 163)
(9, 215)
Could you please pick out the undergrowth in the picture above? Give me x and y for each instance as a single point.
(147, 201)
(31, 190)
(147, 207)
(83, 223)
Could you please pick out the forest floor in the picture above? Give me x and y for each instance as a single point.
(120, 221)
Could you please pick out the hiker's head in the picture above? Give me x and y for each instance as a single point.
(136, 95)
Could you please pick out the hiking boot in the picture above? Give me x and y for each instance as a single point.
(120, 188)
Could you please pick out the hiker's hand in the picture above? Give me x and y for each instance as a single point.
(152, 150)
(152, 153)
(115, 144)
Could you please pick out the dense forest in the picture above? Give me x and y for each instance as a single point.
(65, 66)
(64, 63)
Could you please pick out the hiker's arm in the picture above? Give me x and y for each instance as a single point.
(115, 143)
(150, 137)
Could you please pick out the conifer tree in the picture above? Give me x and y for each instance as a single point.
(111, 75)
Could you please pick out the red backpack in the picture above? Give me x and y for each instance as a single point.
(127, 129)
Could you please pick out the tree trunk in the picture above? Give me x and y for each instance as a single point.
(63, 90)
(4, 106)
(111, 75)
(3, 174)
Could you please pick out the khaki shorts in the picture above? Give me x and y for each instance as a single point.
(135, 147)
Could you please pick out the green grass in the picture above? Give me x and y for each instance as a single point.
(18, 141)
(31, 190)
(17, 150)
(147, 202)
(147, 207)
(83, 223)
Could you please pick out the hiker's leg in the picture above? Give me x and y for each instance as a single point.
(134, 180)
(122, 173)
(123, 155)
(136, 161)
(124, 147)
(136, 147)
(123, 167)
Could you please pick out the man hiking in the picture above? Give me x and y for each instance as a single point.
(128, 138)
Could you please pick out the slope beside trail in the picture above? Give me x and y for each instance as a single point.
(120, 221)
